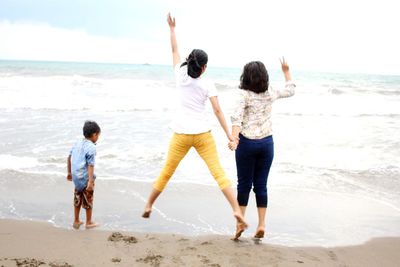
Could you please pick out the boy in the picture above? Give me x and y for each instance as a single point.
(81, 170)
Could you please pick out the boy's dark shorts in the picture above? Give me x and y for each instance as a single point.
(84, 198)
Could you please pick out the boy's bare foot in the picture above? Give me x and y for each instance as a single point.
(260, 232)
(77, 225)
(92, 225)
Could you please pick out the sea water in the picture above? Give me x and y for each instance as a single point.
(335, 179)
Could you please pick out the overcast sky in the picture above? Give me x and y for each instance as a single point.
(340, 36)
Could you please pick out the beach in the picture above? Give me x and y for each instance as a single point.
(333, 186)
(41, 244)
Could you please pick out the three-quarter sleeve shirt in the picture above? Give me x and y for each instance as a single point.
(252, 112)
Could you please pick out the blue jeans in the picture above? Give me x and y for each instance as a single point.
(253, 162)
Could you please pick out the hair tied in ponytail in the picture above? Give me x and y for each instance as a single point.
(195, 62)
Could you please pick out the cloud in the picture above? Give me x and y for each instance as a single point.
(38, 41)
(339, 36)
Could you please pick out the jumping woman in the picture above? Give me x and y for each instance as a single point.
(191, 127)
(251, 129)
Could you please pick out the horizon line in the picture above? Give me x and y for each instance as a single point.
(215, 66)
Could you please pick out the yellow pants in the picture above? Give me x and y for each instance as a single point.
(179, 146)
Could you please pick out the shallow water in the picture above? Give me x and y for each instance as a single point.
(335, 178)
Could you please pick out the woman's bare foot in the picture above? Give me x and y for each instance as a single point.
(146, 213)
(77, 225)
(260, 232)
(241, 225)
(239, 230)
(91, 225)
(240, 220)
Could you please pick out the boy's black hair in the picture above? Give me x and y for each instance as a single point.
(90, 128)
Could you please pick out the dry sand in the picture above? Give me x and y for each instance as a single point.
(25, 243)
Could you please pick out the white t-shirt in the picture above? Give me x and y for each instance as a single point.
(191, 117)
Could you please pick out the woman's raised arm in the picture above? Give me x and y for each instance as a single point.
(174, 45)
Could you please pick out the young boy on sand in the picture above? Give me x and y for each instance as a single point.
(81, 161)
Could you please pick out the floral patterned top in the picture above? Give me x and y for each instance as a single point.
(252, 112)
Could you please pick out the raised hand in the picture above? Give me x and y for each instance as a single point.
(171, 21)
(284, 65)
(285, 69)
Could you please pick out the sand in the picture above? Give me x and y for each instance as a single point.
(27, 243)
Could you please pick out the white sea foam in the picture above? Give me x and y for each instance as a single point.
(76, 92)
(11, 162)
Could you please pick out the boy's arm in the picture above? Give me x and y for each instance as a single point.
(91, 179)
(69, 175)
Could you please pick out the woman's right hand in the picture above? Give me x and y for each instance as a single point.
(171, 21)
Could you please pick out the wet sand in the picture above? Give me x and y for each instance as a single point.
(27, 243)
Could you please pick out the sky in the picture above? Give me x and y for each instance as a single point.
(336, 36)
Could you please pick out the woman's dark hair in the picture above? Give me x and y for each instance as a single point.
(195, 62)
(254, 77)
(90, 128)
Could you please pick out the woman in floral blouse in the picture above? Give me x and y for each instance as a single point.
(254, 145)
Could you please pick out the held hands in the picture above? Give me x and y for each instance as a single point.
(171, 21)
(233, 142)
(232, 145)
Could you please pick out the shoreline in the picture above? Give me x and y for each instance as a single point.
(338, 219)
(42, 244)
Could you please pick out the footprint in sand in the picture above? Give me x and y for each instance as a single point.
(117, 236)
(207, 261)
(204, 259)
(59, 264)
(332, 255)
(303, 254)
(31, 262)
(28, 262)
(116, 259)
(154, 260)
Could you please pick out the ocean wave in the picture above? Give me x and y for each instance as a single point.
(226, 85)
(335, 91)
(77, 93)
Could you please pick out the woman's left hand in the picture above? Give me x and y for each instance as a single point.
(232, 145)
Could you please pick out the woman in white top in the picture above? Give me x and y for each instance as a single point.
(251, 127)
(191, 127)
